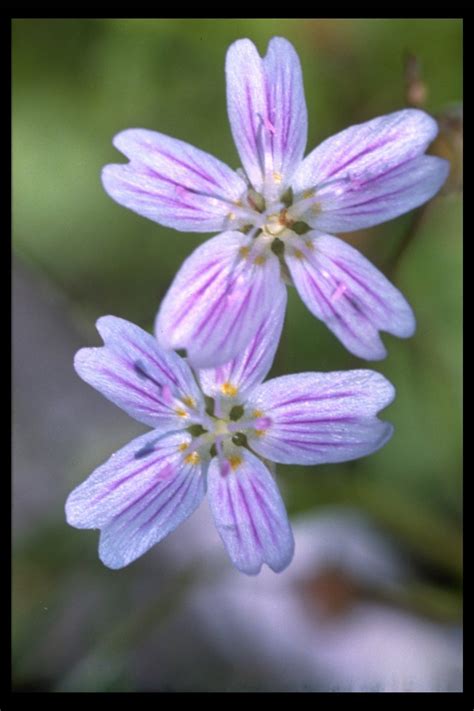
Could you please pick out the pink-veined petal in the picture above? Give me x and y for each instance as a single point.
(218, 299)
(249, 513)
(237, 377)
(154, 386)
(142, 493)
(353, 298)
(173, 183)
(317, 418)
(267, 109)
(382, 198)
(371, 172)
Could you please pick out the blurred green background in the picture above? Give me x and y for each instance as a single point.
(78, 255)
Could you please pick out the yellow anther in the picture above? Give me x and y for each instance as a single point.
(259, 260)
(181, 413)
(231, 215)
(298, 254)
(309, 244)
(277, 177)
(260, 433)
(235, 462)
(257, 413)
(308, 194)
(192, 458)
(189, 401)
(183, 446)
(229, 389)
(244, 252)
(316, 208)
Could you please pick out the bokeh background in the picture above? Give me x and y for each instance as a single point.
(373, 598)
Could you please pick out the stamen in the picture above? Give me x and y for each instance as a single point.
(192, 458)
(234, 461)
(311, 198)
(181, 413)
(229, 389)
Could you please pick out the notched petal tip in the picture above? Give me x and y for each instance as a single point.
(73, 509)
(82, 360)
(385, 435)
(241, 45)
(111, 560)
(121, 137)
(107, 325)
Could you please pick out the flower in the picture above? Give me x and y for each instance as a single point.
(215, 430)
(276, 213)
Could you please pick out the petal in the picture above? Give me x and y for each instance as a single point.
(154, 386)
(382, 198)
(249, 514)
(142, 493)
(318, 418)
(237, 377)
(343, 289)
(173, 183)
(218, 300)
(267, 109)
(372, 165)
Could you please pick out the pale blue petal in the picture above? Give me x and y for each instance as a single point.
(217, 301)
(318, 418)
(237, 378)
(353, 298)
(139, 376)
(371, 172)
(267, 109)
(142, 493)
(249, 514)
(173, 183)
(382, 198)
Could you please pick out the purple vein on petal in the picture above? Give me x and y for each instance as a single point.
(244, 501)
(117, 484)
(318, 398)
(186, 480)
(267, 514)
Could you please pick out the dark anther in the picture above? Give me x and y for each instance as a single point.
(182, 352)
(287, 198)
(240, 439)
(213, 451)
(196, 430)
(300, 228)
(277, 247)
(209, 405)
(141, 371)
(145, 451)
(236, 412)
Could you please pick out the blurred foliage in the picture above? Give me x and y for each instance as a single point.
(76, 83)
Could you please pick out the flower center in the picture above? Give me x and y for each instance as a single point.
(277, 223)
